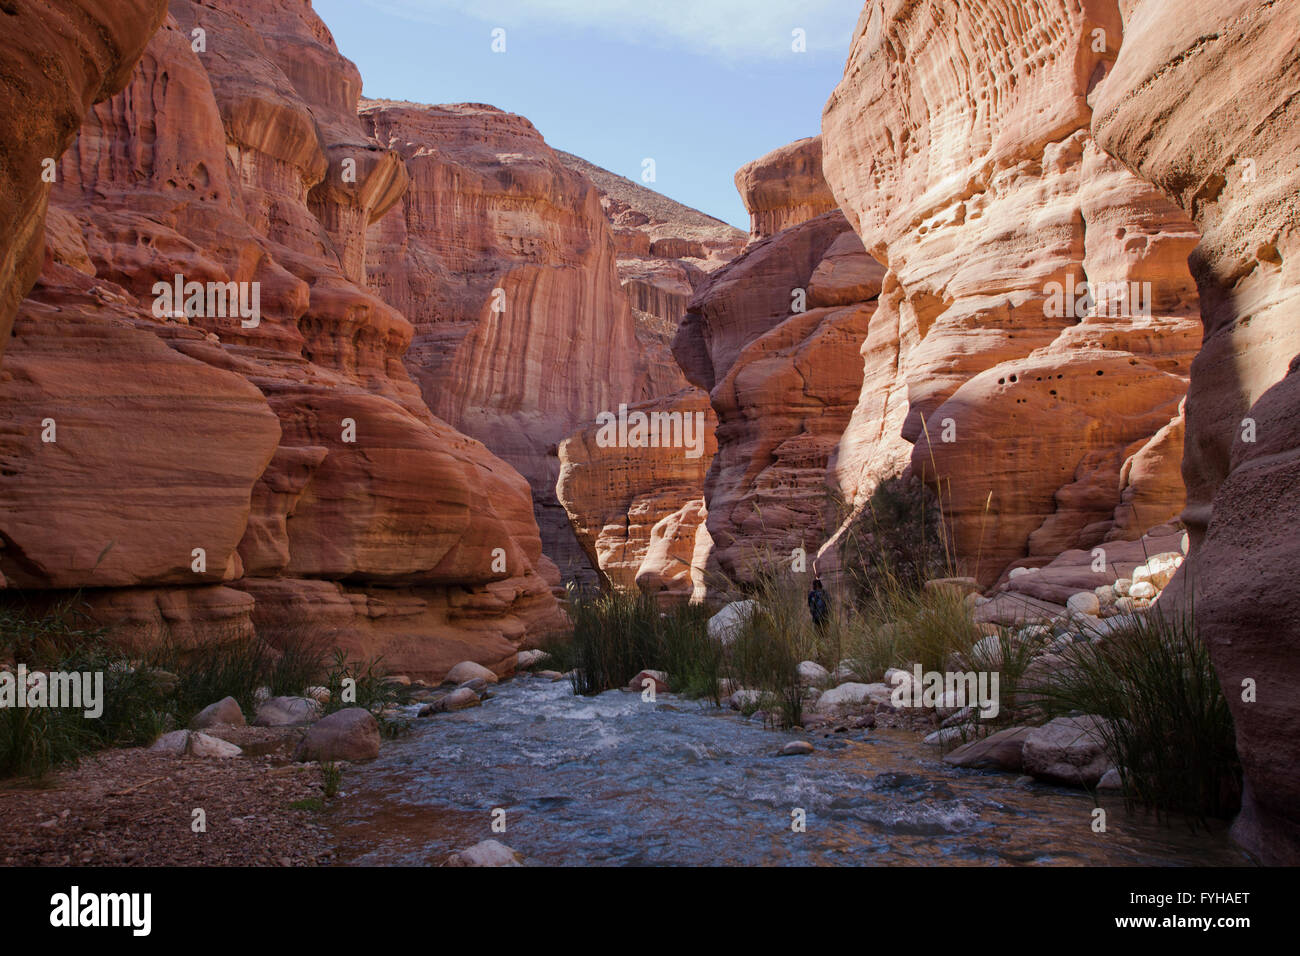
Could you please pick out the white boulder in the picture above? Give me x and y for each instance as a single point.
(486, 853)
(1142, 591)
(852, 696)
(727, 623)
(810, 672)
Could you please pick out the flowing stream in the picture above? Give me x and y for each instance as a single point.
(613, 780)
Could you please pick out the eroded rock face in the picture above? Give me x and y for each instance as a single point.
(776, 338)
(1203, 102)
(1049, 419)
(293, 452)
(639, 512)
(503, 260)
(665, 250)
(638, 508)
(784, 188)
(60, 57)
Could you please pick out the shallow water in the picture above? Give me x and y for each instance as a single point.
(615, 780)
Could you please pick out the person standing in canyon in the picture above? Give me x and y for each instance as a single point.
(817, 605)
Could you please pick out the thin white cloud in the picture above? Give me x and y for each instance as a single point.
(736, 30)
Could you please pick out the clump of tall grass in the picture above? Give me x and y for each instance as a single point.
(617, 634)
(364, 683)
(236, 664)
(900, 627)
(162, 689)
(1009, 655)
(895, 544)
(1167, 722)
(232, 665)
(763, 657)
(35, 741)
(331, 778)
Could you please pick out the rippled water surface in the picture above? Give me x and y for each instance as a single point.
(615, 780)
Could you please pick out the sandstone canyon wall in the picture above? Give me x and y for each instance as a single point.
(637, 509)
(784, 188)
(639, 512)
(995, 153)
(958, 145)
(665, 251)
(1204, 102)
(504, 261)
(543, 290)
(60, 58)
(195, 475)
(775, 338)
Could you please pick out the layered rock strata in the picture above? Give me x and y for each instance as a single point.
(775, 337)
(60, 58)
(503, 260)
(257, 456)
(634, 492)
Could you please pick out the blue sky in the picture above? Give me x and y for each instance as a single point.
(700, 86)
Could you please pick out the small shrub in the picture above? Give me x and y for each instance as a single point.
(763, 658)
(297, 661)
(900, 626)
(898, 540)
(372, 690)
(331, 778)
(35, 741)
(232, 665)
(615, 635)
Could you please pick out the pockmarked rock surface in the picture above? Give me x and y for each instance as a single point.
(1033, 340)
(256, 456)
(1204, 102)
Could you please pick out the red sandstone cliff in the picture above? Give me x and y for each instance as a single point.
(503, 260)
(639, 512)
(971, 157)
(638, 506)
(774, 336)
(982, 191)
(60, 57)
(1204, 102)
(296, 453)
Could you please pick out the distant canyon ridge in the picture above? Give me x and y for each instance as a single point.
(1039, 258)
